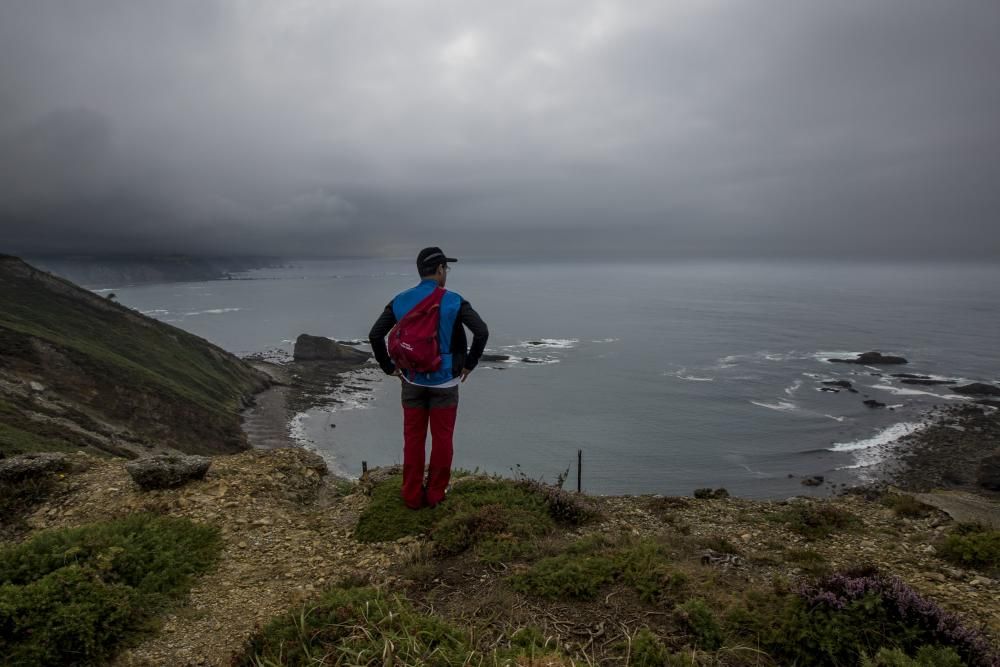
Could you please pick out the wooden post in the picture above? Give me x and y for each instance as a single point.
(364, 467)
(579, 470)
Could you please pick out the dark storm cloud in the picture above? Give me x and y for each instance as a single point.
(576, 127)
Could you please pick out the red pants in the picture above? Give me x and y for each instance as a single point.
(423, 406)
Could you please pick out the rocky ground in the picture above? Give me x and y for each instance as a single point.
(287, 534)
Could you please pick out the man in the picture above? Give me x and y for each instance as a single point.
(431, 397)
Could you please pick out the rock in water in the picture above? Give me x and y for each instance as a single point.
(167, 471)
(321, 348)
(977, 389)
(846, 384)
(815, 480)
(872, 403)
(989, 472)
(872, 359)
(31, 466)
(495, 357)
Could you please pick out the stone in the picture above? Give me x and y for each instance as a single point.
(872, 359)
(32, 466)
(872, 403)
(846, 384)
(36, 386)
(495, 357)
(166, 471)
(321, 348)
(989, 472)
(815, 480)
(977, 389)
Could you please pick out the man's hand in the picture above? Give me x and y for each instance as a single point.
(399, 374)
(465, 373)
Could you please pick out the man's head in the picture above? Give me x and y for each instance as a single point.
(433, 263)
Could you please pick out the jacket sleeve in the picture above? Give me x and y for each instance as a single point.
(480, 333)
(383, 325)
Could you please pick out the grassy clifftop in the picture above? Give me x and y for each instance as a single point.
(77, 370)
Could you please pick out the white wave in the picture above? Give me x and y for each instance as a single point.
(896, 405)
(902, 391)
(552, 343)
(825, 355)
(883, 437)
(682, 374)
(155, 311)
(297, 429)
(606, 340)
(536, 361)
(212, 311)
(792, 388)
(781, 406)
(815, 376)
(106, 289)
(836, 419)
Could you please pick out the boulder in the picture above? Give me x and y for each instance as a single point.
(872, 359)
(977, 389)
(321, 348)
(815, 480)
(846, 384)
(989, 472)
(32, 466)
(495, 357)
(166, 471)
(872, 403)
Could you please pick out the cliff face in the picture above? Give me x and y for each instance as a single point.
(80, 371)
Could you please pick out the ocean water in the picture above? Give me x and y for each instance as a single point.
(668, 376)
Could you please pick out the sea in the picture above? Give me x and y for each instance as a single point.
(662, 377)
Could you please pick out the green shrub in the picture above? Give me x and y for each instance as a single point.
(566, 575)
(710, 494)
(972, 545)
(591, 563)
(366, 626)
(696, 616)
(817, 521)
(647, 650)
(73, 595)
(840, 618)
(809, 560)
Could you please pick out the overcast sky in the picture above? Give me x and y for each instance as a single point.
(669, 128)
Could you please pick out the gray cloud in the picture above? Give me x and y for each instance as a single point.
(642, 128)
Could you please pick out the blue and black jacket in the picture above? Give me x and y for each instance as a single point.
(456, 313)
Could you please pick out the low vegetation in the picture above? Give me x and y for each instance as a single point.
(366, 626)
(73, 596)
(906, 506)
(973, 545)
(816, 521)
(493, 513)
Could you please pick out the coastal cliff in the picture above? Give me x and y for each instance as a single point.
(81, 371)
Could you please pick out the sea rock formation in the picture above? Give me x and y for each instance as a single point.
(977, 389)
(167, 471)
(321, 348)
(872, 403)
(872, 359)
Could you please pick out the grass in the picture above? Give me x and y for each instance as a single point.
(74, 595)
(906, 506)
(590, 564)
(493, 513)
(131, 360)
(366, 626)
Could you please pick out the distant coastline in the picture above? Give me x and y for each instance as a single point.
(113, 271)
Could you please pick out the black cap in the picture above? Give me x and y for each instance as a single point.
(430, 258)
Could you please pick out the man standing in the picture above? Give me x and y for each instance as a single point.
(431, 397)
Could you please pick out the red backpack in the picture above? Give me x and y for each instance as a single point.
(413, 342)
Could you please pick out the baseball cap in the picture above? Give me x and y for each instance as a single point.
(429, 258)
